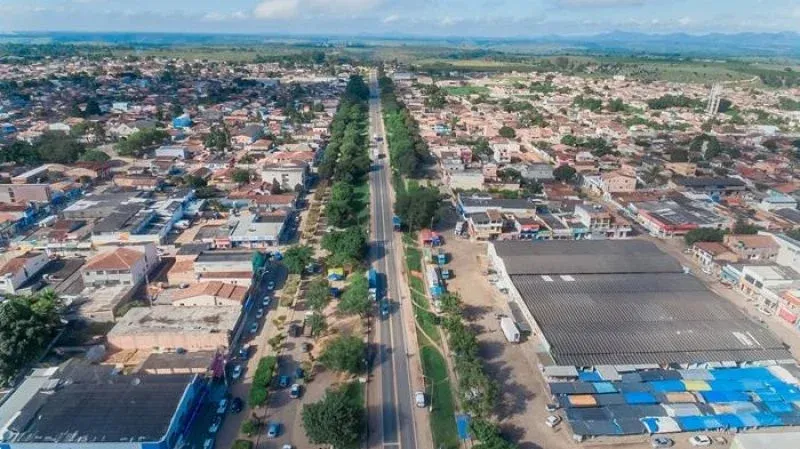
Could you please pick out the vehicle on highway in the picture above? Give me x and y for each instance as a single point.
(236, 372)
(661, 442)
(273, 429)
(700, 441)
(271, 285)
(305, 347)
(222, 406)
(385, 308)
(259, 313)
(294, 392)
(254, 328)
(552, 420)
(215, 425)
(244, 352)
(419, 399)
(208, 443)
(237, 405)
(287, 446)
(299, 373)
(267, 300)
(283, 381)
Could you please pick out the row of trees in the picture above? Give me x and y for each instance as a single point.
(345, 157)
(52, 147)
(674, 101)
(407, 150)
(741, 227)
(27, 324)
(140, 142)
(418, 207)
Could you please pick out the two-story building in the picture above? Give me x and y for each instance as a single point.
(122, 265)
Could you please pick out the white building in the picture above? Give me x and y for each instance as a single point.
(19, 269)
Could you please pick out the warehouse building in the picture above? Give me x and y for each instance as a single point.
(624, 302)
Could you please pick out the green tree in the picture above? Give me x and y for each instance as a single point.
(218, 140)
(250, 427)
(92, 108)
(418, 207)
(347, 247)
(95, 156)
(679, 155)
(140, 142)
(355, 299)
(339, 213)
(564, 173)
(297, 258)
(743, 227)
(507, 132)
(337, 420)
(570, 140)
(317, 323)
(653, 175)
(703, 235)
(318, 295)
(345, 353)
(27, 323)
(56, 148)
(616, 105)
(241, 176)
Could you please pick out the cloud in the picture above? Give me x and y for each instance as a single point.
(286, 9)
(391, 18)
(599, 3)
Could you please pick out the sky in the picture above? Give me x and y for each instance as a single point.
(463, 18)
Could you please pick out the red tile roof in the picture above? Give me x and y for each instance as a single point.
(119, 259)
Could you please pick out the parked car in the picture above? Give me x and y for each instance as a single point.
(259, 313)
(661, 442)
(700, 441)
(208, 443)
(294, 392)
(419, 399)
(385, 308)
(215, 424)
(254, 328)
(222, 406)
(244, 352)
(237, 405)
(283, 381)
(287, 446)
(299, 373)
(273, 430)
(552, 420)
(236, 372)
(266, 302)
(271, 285)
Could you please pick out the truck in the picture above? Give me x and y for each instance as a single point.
(396, 222)
(372, 279)
(440, 257)
(510, 329)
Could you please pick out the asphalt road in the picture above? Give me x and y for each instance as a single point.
(391, 364)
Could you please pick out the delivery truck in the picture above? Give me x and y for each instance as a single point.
(372, 280)
(510, 329)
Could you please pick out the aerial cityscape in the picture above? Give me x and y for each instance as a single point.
(258, 224)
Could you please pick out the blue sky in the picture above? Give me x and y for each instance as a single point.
(494, 18)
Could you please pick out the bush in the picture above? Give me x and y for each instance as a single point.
(263, 376)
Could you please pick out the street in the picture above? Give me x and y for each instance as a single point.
(393, 424)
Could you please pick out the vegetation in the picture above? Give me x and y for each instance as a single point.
(788, 104)
(345, 353)
(347, 247)
(140, 142)
(507, 132)
(27, 324)
(241, 176)
(318, 295)
(263, 376)
(52, 147)
(703, 235)
(95, 156)
(243, 444)
(249, 427)
(743, 227)
(219, 140)
(345, 157)
(564, 173)
(440, 393)
(407, 150)
(355, 299)
(418, 207)
(337, 420)
(674, 101)
(590, 103)
(317, 323)
(297, 258)
(488, 435)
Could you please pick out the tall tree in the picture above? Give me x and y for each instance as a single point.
(336, 420)
(345, 353)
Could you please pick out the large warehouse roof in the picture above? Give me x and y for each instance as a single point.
(610, 312)
(584, 257)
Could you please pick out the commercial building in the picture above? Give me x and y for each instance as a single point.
(79, 406)
(617, 302)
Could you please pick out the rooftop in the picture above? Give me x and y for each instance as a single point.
(118, 259)
(168, 319)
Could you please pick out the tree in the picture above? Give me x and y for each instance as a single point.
(337, 420)
(250, 427)
(346, 247)
(317, 323)
(743, 227)
(92, 108)
(140, 142)
(355, 299)
(703, 235)
(345, 353)
(570, 140)
(616, 105)
(341, 192)
(564, 173)
(679, 155)
(418, 207)
(57, 148)
(653, 175)
(241, 176)
(339, 213)
(297, 258)
(318, 295)
(218, 140)
(507, 132)
(95, 156)
(26, 325)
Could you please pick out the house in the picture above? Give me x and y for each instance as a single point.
(232, 266)
(290, 175)
(258, 230)
(600, 222)
(172, 152)
(182, 121)
(122, 265)
(485, 225)
(247, 135)
(753, 247)
(19, 269)
(504, 150)
(538, 172)
(59, 127)
(714, 187)
(138, 182)
(211, 293)
(712, 256)
(25, 193)
(776, 200)
(675, 216)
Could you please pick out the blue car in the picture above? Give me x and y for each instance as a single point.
(283, 381)
(273, 430)
(298, 373)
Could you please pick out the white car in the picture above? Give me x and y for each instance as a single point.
(254, 328)
(208, 443)
(215, 425)
(222, 406)
(552, 420)
(287, 446)
(259, 313)
(271, 285)
(266, 301)
(237, 372)
(419, 399)
(700, 441)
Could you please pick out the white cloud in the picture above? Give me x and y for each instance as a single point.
(391, 18)
(215, 16)
(284, 9)
(685, 21)
(599, 3)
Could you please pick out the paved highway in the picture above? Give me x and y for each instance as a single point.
(396, 422)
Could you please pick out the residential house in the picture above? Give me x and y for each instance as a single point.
(712, 256)
(600, 222)
(290, 175)
(25, 193)
(485, 225)
(172, 152)
(17, 270)
(123, 265)
(211, 293)
(247, 135)
(716, 187)
(753, 247)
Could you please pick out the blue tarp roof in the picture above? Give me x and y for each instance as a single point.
(668, 386)
(462, 426)
(767, 419)
(589, 376)
(778, 407)
(695, 423)
(639, 398)
(604, 387)
(724, 396)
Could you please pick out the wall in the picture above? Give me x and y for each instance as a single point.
(25, 193)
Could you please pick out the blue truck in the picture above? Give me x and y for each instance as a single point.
(372, 279)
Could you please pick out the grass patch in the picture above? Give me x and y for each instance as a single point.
(242, 444)
(413, 259)
(440, 393)
(466, 90)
